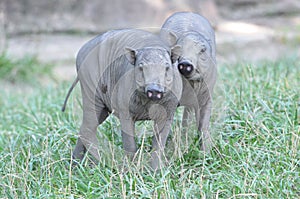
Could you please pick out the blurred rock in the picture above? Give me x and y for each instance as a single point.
(72, 16)
(247, 9)
(36, 16)
(2, 28)
(246, 30)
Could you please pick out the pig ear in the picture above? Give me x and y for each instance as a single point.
(130, 54)
(175, 53)
(170, 37)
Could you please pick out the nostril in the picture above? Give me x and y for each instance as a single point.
(149, 94)
(159, 95)
(189, 68)
(180, 66)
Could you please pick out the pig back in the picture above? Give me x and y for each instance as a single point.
(101, 62)
(185, 22)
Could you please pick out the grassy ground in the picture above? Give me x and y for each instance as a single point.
(255, 123)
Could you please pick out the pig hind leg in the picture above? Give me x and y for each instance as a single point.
(88, 140)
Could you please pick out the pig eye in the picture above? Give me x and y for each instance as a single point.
(203, 49)
(167, 66)
(140, 66)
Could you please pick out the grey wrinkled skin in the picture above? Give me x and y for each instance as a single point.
(115, 71)
(193, 43)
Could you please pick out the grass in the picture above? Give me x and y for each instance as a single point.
(27, 69)
(255, 121)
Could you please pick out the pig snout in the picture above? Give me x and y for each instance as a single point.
(185, 68)
(154, 91)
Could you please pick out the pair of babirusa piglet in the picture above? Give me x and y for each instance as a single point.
(137, 75)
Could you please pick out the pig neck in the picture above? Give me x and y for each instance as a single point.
(195, 83)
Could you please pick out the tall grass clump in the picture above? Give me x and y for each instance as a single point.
(255, 123)
(27, 69)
